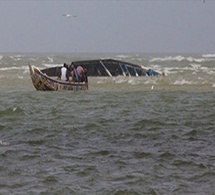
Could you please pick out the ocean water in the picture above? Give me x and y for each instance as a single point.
(133, 135)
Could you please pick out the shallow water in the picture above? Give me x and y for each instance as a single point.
(120, 137)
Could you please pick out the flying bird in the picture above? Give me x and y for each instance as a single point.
(68, 15)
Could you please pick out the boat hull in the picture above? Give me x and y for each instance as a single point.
(42, 82)
(107, 68)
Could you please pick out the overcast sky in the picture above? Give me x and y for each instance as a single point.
(137, 26)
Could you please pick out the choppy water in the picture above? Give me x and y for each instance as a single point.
(123, 136)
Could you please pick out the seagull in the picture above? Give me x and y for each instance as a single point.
(68, 15)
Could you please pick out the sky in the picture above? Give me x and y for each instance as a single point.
(107, 26)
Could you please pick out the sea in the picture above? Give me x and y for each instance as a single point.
(125, 135)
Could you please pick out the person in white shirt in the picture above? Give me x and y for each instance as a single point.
(64, 73)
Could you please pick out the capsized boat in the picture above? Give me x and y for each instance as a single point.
(46, 82)
(107, 68)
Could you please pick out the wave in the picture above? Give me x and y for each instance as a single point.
(208, 55)
(167, 58)
(14, 68)
(51, 60)
(51, 65)
(20, 77)
(185, 82)
(2, 143)
(16, 57)
(122, 56)
(11, 111)
(192, 68)
(179, 70)
(32, 59)
(180, 58)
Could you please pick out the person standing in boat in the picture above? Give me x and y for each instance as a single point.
(77, 73)
(74, 73)
(64, 73)
(85, 79)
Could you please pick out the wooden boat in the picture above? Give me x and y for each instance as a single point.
(107, 68)
(45, 82)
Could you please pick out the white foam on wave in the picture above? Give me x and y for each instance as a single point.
(199, 60)
(184, 82)
(133, 81)
(51, 60)
(150, 81)
(177, 58)
(26, 69)
(122, 56)
(195, 66)
(14, 109)
(14, 68)
(16, 57)
(32, 59)
(3, 143)
(120, 80)
(168, 58)
(1, 57)
(208, 55)
(100, 82)
(52, 65)
(10, 68)
(210, 72)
